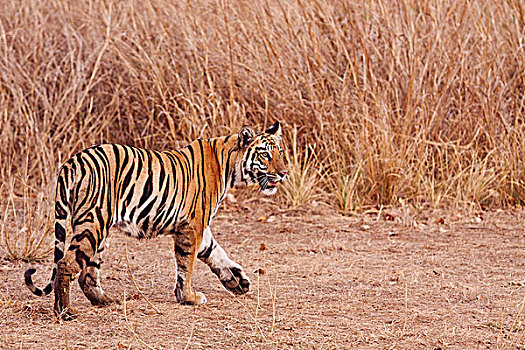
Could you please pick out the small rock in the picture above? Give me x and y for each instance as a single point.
(231, 198)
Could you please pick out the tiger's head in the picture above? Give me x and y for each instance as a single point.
(263, 161)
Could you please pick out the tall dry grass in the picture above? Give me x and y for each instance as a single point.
(420, 100)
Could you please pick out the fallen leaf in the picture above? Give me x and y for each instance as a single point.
(262, 218)
(440, 221)
(262, 247)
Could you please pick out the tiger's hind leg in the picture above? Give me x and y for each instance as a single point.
(89, 281)
(231, 274)
(81, 250)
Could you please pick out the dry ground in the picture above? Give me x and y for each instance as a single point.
(385, 279)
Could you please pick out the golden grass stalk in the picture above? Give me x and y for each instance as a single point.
(302, 185)
(392, 99)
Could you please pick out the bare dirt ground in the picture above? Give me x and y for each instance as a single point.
(386, 279)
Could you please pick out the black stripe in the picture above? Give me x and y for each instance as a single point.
(207, 252)
(157, 220)
(233, 178)
(48, 289)
(59, 254)
(146, 210)
(132, 214)
(117, 158)
(202, 178)
(183, 177)
(60, 212)
(140, 162)
(162, 173)
(82, 219)
(180, 251)
(60, 232)
(61, 187)
(127, 177)
(106, 184)
(81, 258)
(89, 236)
(102, 224)
(148, 188)
(94, 264)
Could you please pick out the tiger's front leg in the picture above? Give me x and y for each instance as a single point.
(230, 273)
(186, 244)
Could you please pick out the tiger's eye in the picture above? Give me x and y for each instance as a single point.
(265, 155)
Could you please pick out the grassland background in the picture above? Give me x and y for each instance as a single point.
(382, 101)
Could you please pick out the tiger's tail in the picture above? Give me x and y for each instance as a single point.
(35, 290)
(62, 211)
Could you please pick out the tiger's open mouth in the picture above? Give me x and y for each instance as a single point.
(267, 182)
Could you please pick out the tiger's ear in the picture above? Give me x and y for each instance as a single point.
(246, 135)
(275, 129)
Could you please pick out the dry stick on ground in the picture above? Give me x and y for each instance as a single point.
(515, 332)
(406, 308)
(518, 324)
(128, 324)
(67, 340)
(191, 333)
(254, 319)
(257, 307)
(273, 294)
(500, 335)
(135, 284)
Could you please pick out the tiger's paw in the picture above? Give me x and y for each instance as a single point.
(234, 279)
(105, 301)
(196, 299)
(66, 314)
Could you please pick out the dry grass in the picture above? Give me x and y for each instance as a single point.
(302, 187)
(384, 103)
(405, 99)
(26, 220)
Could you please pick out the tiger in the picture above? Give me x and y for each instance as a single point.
(147, 193)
